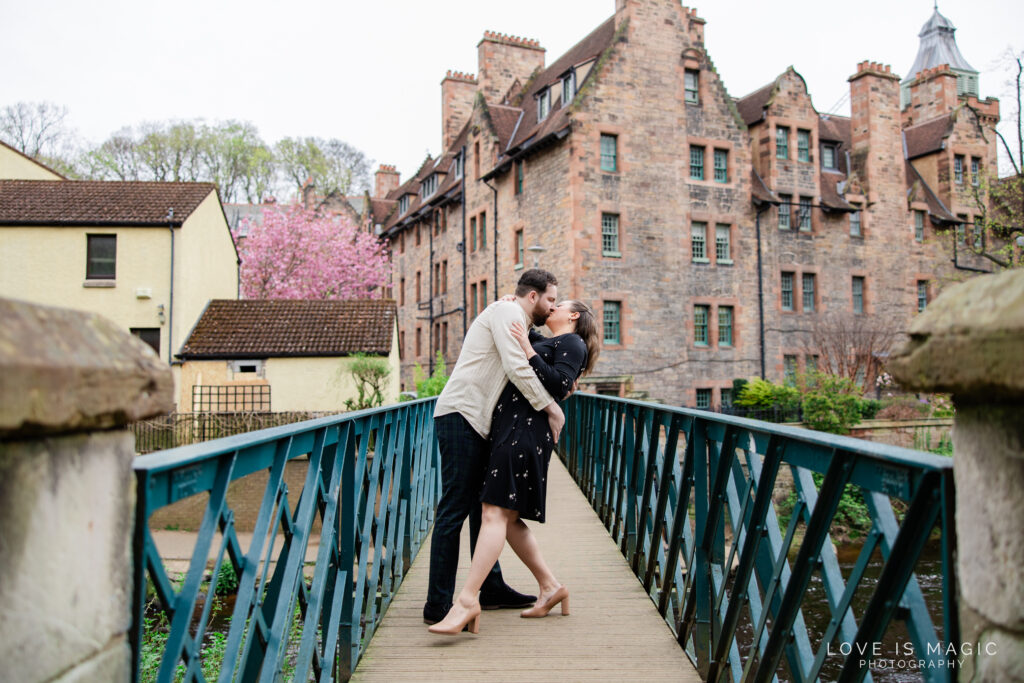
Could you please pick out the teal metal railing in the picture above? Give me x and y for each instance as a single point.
(372, 483)
(688, 496)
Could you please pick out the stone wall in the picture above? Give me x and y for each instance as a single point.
(71, 381)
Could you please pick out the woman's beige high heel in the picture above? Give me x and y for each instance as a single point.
(541, 610)
(452, 626)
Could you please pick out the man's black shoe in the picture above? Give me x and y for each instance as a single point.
(506, 598)
(433, 613)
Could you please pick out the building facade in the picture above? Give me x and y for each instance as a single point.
(715, 237)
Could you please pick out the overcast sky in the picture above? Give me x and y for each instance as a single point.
(369, 72)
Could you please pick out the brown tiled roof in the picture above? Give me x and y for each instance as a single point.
(589, 48)
(264, 328)
(98, 202)
(834, 128)
(380, 209)
(504, 119)
(925, 138)
(751, 107)
(830, 196)
(759, 190)
(936, 208)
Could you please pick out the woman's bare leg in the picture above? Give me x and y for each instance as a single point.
(525, 545)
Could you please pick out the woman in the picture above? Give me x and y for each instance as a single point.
(515, 484)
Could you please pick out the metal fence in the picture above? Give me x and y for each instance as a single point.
(181, 429)
(373, 483)
(688, 496)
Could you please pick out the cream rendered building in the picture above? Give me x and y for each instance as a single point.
(147, 255)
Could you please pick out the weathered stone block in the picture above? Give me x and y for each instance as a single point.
(66, 511)
(67, 370)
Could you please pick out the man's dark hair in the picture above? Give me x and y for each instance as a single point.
(536, 280)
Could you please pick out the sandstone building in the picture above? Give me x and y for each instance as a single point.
(712, 235)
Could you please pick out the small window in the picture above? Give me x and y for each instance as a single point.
(474, 303)
(721, 166)
(789, 368)
(785, 209)
(723, 247)
(609, 152)
(919, 226)
(401, 292)
(429, 186)
(472, 234)
(519, 176)
(808, 292)
(922, 295)
(419, 341)
(444, 276)
(483, 294)
(725, 325)
(975, 171)
(150, 335)
(855, 226)
(961, 229)
(812, 362)
(803, 145)
(101, 257)
(691, 84)
(787, 291)
(403, 204)
(612, 322)
(698, 241)
(726, 397)
(858, 294)
(419, 286)
(828, 157)
(958, 169)
(696, 162)
(520, 248)
(703, 399)
(483, 231)
(781, 142)
(458, 166)
(543, 104)
(568, 88)
(700, 325)
(476, 159)
(805, 214)
(610, 234)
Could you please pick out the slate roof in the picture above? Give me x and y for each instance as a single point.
(830, 195)
(265, 328)
(759, 190)
(937, 47)
(935, 206)
(98, 202)
(927, 137)
(751, 107)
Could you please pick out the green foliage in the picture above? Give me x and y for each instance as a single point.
(370, 375)
(227, 579)
(852, 519)
(830, 403)
(431, 386)
(869, 407)
(761, 393)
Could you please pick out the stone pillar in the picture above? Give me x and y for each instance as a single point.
(69, 383)
(970, 342)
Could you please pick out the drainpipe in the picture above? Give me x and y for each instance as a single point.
(170, 302)
(430, 298)
(465, 306)
(495, 239)
(760, 286)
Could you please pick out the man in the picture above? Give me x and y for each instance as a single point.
(490, 356)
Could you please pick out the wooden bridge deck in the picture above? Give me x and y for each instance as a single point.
(613, 634)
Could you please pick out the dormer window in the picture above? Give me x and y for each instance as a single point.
(457, 167)
(691, 86)
(829, 157)
(403, 204)
(568, 88)
(543, 104)
(429, 186)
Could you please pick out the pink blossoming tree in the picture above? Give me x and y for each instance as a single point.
(298, 254)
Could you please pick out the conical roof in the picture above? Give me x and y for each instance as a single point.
(938, 47)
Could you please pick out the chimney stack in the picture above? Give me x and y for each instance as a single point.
(386, 179)
(502, 59)
(932, 93)
(876, 136)
(457, 93)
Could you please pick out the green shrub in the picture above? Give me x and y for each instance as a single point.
(431, 386)
(370, 374)
(869, 407)
(830, 403)
(759, 393)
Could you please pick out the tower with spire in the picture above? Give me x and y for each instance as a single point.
(938, 48)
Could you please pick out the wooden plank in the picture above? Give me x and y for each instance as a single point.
(613, 633)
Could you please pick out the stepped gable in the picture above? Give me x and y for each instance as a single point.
(265, 328)
(99, 202)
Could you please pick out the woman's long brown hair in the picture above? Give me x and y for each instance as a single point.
(586, 327)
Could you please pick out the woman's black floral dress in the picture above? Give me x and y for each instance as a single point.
(521, 444)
